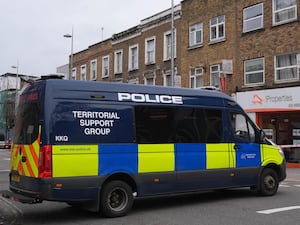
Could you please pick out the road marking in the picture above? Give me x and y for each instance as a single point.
(277, 210)
(4, 171)
(284, 185)
(6, 159)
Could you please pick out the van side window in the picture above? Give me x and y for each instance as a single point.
(241, 128)
(178, 125)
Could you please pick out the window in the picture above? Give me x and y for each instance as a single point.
(150, 80)
(196, 77)
(118, 65)
(168, 45)
(196, 34)
(93, 72)
(286, 68)
(73, 74)
(105, 66)
(242, 129)
(253, 18)
(83, 72)
(217, 28)
(254, 71)
(150, 51)
(133, 81)
(284, 11)
(27, 123)
(215, 74)
(168, 80)
(133, 58)
(178, 125)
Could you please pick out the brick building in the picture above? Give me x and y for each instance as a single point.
(140, 54)
(249, 49)
(258, 41)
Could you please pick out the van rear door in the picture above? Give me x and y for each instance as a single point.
(26, 140)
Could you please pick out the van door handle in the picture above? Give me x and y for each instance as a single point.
(237, 147)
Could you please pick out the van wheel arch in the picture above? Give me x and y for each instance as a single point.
(122, 177)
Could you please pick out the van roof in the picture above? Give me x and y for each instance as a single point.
(74, 85)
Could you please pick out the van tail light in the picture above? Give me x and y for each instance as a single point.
(45, 161)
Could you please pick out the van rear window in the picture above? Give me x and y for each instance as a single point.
(27, 123)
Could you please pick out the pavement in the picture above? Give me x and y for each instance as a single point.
(9, 213)
(293, 175)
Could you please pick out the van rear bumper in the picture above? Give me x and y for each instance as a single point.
(79, 189)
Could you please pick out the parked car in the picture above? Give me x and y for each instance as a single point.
(5, 144)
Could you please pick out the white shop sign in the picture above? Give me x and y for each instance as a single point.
(280, 98)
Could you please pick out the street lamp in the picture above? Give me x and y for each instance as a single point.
(172, 44)
(17, 82)
(17, 76)
(71, 60)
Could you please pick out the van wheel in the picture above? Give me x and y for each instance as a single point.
(116, 199)
(268, 182)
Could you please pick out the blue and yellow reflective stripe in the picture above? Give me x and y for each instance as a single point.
(74, 160)
(156, 158)
(105, 159)
(217, 156)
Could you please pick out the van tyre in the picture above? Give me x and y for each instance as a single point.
(116, 199)
(268, 182)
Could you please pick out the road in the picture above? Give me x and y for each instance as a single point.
(230, 207)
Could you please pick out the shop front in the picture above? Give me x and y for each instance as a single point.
(277, 112)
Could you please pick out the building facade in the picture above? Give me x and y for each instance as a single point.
(10, 84)
(249, 49)
(141, 54)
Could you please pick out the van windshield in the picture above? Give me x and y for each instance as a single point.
(27, 123)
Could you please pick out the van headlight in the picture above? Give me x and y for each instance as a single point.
(281, 152)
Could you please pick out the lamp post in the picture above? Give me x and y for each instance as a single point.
(17, 78)
(172, 44)
(71, 60)
(16, 93)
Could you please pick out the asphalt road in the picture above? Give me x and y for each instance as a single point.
(230, 207)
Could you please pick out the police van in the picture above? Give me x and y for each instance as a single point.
(100, 145)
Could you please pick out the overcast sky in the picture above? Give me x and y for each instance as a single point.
(32, 30)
